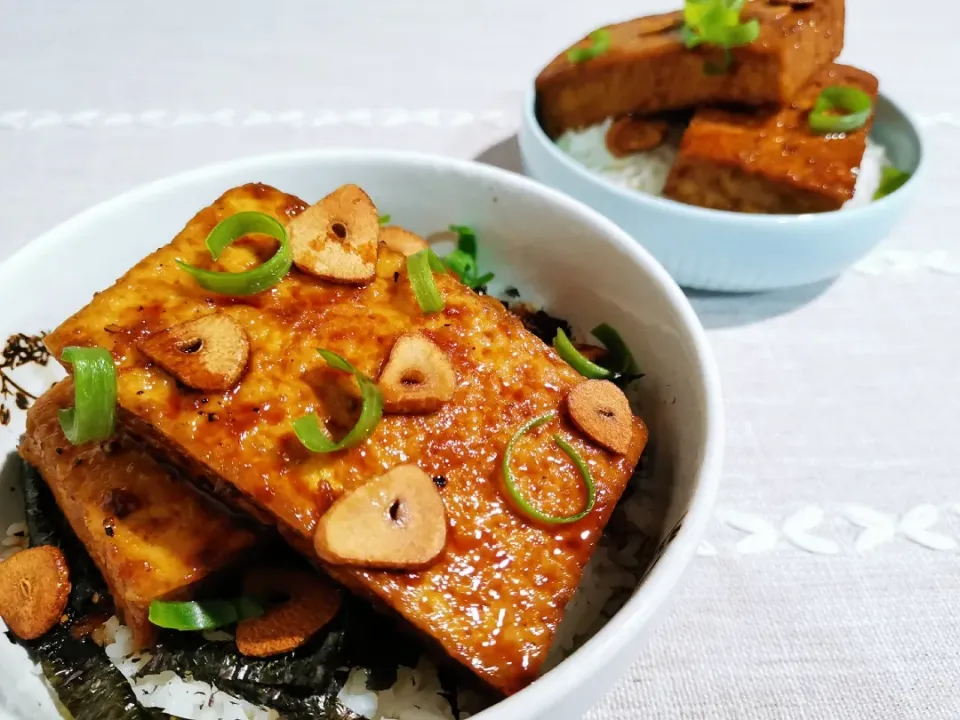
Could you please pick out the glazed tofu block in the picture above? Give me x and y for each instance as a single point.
(769, 161)
(494, 598)
(648, 69)
(151, 536)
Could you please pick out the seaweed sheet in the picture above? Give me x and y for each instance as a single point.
(78, 670)
(302, 685)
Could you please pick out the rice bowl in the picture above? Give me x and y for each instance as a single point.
(503, 208)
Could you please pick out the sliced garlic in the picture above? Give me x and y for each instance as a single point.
(34, 589)
(418, 376)
(312, 602)
(336, 239)
(601, 410)
(397, 521)
(209, 353)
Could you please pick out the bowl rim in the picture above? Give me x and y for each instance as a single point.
(730, 217)
(661, 582)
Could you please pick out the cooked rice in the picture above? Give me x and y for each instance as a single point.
(647, 171)
(15, 540)
(644, 171)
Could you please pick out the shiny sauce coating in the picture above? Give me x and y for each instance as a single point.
(495, 597)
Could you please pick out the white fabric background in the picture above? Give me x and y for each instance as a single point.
(829, 585)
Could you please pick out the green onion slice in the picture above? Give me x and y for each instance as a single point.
(384, 219)
(599, 44)
(420, 268)
(249, 282)
(717, 23)
(203, 614)
(522, 502)
(619, 358)
(95, 395)
(315, 438)
(463, 260)
(891, 180)
(573, 357)
(840, 109)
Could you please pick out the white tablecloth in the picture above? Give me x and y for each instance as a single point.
(829, 585)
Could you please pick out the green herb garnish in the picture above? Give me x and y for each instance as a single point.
(420, 268)
(309, 431)
(203, 614)
(599, 43)
(717, 23)
(840, 109)
(249, 282)
(463, 260)
(891, 180)
(521, 502)
(95, 395)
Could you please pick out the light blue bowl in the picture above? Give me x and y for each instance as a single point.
(737, 252)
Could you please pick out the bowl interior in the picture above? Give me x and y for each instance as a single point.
(898, 134)
(571, 261)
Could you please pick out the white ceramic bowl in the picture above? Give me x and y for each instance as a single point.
(579, 264)
(737, 252)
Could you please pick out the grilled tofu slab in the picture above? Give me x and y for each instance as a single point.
(647, 68)
(150, 535)
(769, 161)
(494, 598)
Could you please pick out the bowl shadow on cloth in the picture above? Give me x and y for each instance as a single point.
(715, 309)
(722, 310)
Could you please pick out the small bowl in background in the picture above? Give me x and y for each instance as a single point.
(737, 252)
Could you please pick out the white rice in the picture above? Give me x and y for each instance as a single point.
(416, 695)
(15, 540)
(643, 171)
(647, 171)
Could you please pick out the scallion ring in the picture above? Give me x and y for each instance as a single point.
(522, 503)
(619, 358)
(463, 260)
(599, 44)
(575, 359)
(384, 219)
(203, 614)
(315, 438)
(420, 268)
(717, 23)
(891, 180)
(854, 104)
(252, 281)
(92, 417)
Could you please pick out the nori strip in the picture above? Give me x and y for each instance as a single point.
(309, 668)
(304, 683)
(86, 682)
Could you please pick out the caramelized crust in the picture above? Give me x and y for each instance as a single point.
(647, 68)
(150, 535)
(769, 161)
(494, 598)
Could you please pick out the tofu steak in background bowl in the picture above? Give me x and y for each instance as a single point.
(418, 455)
(727, 141)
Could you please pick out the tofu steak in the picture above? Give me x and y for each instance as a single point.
(495, 596)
